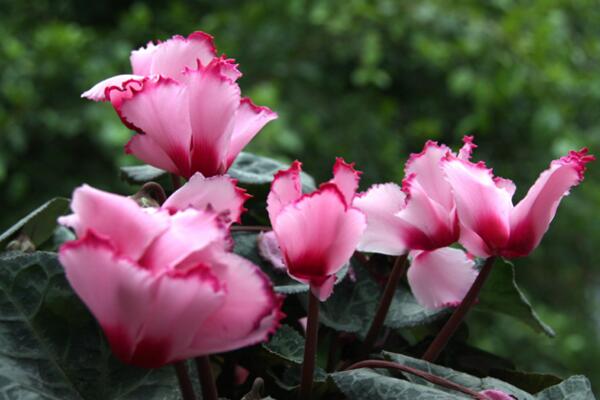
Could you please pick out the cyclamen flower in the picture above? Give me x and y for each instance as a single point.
(317, 233)
(185, 105)
(490, 225)
(420, 218)
(161, 282)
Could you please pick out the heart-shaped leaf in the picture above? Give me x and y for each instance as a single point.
(39, 224)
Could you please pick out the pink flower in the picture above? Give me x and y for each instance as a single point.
(161, 282)
(489, 222)
(317, 233)
(419, 216)
(185, 105)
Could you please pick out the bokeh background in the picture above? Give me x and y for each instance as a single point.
(367, 80)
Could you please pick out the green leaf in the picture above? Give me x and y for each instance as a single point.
(251, 169)
(529, 381)
(502, 294)
(577, 387)
(138, 174)
(469, 381)
(352, 306)
(405, 312)
(287, 344)
(38, 225)
(362, 384)
(52, 348)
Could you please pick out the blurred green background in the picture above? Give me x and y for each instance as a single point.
(367, 80)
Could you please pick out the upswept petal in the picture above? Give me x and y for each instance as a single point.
(218, 193)
(190, 231)
(145, 148)
(426, 167)
(426, 224)
(531, 218)
(98, 91)
(171, 57)
(268, 248)
(286, 188)
(248, 121)
(318, 234)
(181, 304)
(483, 208)
(114, 288)
(346, 178)
(160, 110)
(213, 101)
(130, 229)
(441, 277)
(380, 204)
(251, 310)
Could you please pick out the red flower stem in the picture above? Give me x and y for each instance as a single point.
(310, 347)
(398, 271)
(207, 381)
(176, 181)
(443, 337)
(421, 374)
(250, 228)
(187, 390)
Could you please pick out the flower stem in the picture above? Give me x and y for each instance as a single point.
(442, 338)
(384, 305)
(250, 228)
(207, 381)
(176, 181)
(422, 374)
(310, 347)
(187, 390)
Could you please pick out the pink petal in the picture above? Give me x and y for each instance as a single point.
(251, 310)
(426, 224)
(346, 178)
(483, 208)
(248, 121)
(145, 148)
(380, 204)
(318, 234)
(160, 110)
(218, 193)
(171, 57)
(114, 288)
(213, 102)
(286, 188)
(426, 167)
(493, 394)
(441, 277)
(467, 149)
(190, 231)
(130, 229)
(531, 218)
(97, 92)
(268, 249)
(181, 304)
(323, 289)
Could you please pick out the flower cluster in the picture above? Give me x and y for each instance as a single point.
(163, 281)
